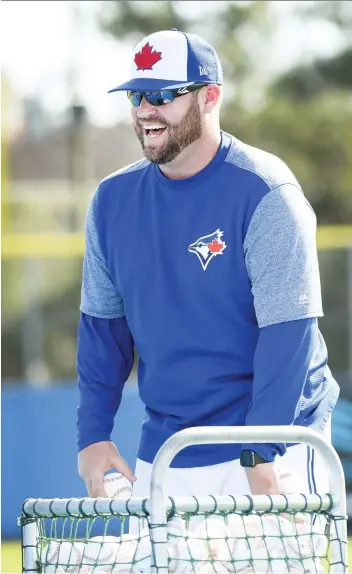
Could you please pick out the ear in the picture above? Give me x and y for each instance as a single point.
(211, 97)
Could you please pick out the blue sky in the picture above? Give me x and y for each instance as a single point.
(42, 48)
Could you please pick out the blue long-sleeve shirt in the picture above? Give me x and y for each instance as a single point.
(104, 362)
(215, 280)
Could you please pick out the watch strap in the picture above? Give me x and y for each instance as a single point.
(249, 459)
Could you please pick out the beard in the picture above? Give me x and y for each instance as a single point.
(180, 136)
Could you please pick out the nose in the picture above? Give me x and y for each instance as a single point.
(145, 109)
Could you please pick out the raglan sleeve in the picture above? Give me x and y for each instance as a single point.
(282, 263)
(104, 342)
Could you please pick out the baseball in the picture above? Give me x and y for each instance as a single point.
(290, 482)
(131, 551)
(208, 568)
(100, 552)
(116, 485)
(63, 556)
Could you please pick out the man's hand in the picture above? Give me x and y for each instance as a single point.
(266, 478)
(95, 460)
(263, 479)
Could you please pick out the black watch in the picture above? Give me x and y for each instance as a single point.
(249, 458)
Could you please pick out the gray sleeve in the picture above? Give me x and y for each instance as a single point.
(281, 258)
(99, 296)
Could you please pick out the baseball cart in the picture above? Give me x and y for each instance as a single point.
(262, 534)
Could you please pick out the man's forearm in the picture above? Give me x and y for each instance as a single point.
(281, 366)
(104, 362)
(263, 479)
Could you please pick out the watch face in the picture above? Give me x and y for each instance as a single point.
(247, 458)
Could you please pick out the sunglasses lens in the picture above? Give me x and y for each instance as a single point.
(167, 96)
(154, 98)
(135, 98)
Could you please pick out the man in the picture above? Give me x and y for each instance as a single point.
(203, 256)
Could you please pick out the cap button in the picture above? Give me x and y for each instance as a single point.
(174, 29)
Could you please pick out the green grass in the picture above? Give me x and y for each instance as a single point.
(11, 557)
(11, 560)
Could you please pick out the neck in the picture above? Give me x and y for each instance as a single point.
(194, 158)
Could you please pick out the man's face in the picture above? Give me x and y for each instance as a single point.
(179, 124)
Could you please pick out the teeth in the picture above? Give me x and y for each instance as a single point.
(153, 127)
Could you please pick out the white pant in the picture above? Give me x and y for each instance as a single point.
(301, 467)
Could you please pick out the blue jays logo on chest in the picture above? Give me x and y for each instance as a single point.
(207, 247)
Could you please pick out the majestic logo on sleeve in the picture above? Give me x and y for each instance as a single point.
(146, 58)
(208, 247)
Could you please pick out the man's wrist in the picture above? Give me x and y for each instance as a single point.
(83, 442)
(263, 479)
(266, 451)
(250, 459)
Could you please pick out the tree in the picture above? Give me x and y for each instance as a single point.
(124, 19)
(308, 81)
(304, 116)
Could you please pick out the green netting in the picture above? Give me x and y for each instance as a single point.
(91, 544)
(239, 542)
(259, 542)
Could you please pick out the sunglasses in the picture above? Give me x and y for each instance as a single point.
(161, 97)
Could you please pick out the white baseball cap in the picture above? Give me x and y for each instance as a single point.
(171, 59)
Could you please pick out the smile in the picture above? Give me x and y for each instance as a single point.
(153, 130)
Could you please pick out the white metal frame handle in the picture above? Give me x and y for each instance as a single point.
(242, 434)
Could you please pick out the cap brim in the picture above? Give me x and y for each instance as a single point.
(149, 85)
